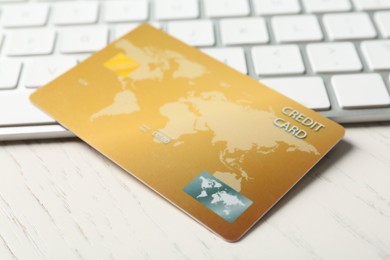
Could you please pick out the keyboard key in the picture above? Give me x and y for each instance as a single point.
(11, 1)
(122, 29)
(176, 9)
(272, 7)
(16, 109)
(195, 33)
(1, 41)
(41, 71)
(277, 60)
(9, 73)
(233, 57)
(322, 6)
(126, 11)
(360, 91)
(226, 8)
(349, 26)
(25, 15)
(382, 19)
(309, 91)
(83, 39)
(333, 57)
(68, 13)
(377, 54)
(372, 4)
(296, 28)
(243, 31)
(31, 42)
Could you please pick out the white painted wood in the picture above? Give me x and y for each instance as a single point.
(60, 199)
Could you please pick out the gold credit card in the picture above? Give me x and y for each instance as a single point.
(217, 144)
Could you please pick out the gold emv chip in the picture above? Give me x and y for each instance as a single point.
(121, 64)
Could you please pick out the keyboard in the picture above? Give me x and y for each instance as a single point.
(330, 55)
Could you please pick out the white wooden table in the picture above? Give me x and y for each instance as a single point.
(60, 199)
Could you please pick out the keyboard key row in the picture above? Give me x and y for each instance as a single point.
(66, 13)
(345, 26)
(72, 12)
(268, 60)
(272, 7)
(287, 29)
(42, 41)
(323, 57)
(37, 73)
(16, 110)
(352, 91)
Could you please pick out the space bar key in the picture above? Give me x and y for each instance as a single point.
(16, 109)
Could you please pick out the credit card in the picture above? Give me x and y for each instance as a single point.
(217, 144)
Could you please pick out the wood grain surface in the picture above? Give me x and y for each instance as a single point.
(61, 199)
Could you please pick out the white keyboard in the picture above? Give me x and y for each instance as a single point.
(330, 55)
